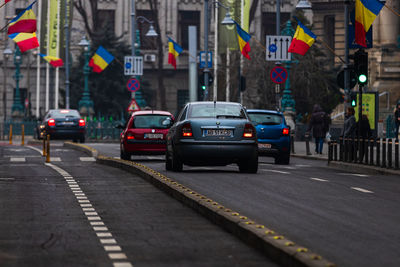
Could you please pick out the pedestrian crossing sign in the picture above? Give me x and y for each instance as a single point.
(133, 106)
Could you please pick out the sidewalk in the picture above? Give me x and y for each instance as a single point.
(301, 151)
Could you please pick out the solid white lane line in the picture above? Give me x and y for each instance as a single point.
(319, 179)
(362, 190)
(276, 171)
(87, 159)
(36, 149)
(354, 174)
(7, 179)
(17, 159)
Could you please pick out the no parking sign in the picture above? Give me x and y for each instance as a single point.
(278, 74)
(133, 85)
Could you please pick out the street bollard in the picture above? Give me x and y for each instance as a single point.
(366, 154)
(396, 154)
(378, 152)
(48, 149)
(23, 135)
(292, 143)
(329, 151)
(341, 150)
(383, 153)
(360, 146)
(346, 149)
(353, 150)
(335, 151)
(44, 144)
(308, 144)
(371, 151)
(10, 134)
(389, 156)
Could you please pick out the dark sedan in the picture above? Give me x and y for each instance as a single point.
(212, 134)
(63, 124)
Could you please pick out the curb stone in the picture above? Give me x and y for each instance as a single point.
(274, 246)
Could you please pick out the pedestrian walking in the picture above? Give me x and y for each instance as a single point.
(319, 126)
(365, 128)
(397, 120)
(350, 125)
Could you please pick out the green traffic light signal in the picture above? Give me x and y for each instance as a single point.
(203, 87)
(362, 78)
(353, 103)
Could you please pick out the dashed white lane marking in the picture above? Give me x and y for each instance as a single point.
(6, 179)
(14, 159)
(55, 159)
(319, 179)
(276, 171)
(354, 174)
(362, 190)
(105, 237)
(302, 165)
(87, 159)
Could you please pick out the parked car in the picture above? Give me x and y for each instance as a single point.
(212, 134)
(273, 134)
(62, 124)
(145, 133)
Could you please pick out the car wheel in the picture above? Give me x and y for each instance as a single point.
(249, 165)
(82, 139)
(123, 155)
(75, 140)
(177, 164)
(283, 159)
(168, 161)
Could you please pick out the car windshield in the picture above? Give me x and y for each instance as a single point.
(64, 113)
(218, 110)
(151, 121)
(265, 118)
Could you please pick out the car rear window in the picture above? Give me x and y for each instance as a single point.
(64, 113)
(265, 118)
(219, 110)
(150, 121)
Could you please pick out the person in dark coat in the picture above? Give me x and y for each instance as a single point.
(397, 120)
(350, 125)
(318, 126)
(365, 129)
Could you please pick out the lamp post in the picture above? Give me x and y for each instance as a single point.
(226, 21)
(17, 109)
(6, 53)
(86, 104)
(288, 103)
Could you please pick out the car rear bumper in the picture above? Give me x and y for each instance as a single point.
(66, 133)
(278, 146)
(215, 153)
(145, 146)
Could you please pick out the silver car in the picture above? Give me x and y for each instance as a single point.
(212, 134)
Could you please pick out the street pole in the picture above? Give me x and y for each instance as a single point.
(133, 27)
(206, 69)
(66, 27)
(17, 108)
(346, 55)
(278, 32)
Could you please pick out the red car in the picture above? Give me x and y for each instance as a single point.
(145, 133)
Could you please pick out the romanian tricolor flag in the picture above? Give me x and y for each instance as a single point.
(25, 41)
(25, 21)
(366, 12)
(100, 60)
(54, 61)
(243, 38)
(302, 40)
(173, 52)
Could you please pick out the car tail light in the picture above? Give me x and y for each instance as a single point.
(130, 136)
(187, 130)
(285, 131)
(51, 122)
(82, 122)
(249, 131)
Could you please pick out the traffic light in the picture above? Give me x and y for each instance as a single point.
(361, 66)
(353, 99)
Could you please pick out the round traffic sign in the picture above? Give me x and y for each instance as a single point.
(278, 74)
(133, 85)
(272, 48)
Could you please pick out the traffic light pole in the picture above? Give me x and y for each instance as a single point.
(360, 90)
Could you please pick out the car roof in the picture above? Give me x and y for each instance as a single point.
(212, 102)
(150, 112)
(264, 111)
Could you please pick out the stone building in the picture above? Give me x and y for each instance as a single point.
(175, 16)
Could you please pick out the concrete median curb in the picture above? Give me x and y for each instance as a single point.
(362, 168)
(276, 247)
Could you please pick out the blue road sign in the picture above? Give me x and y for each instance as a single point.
(133, 85)
(272, 48)
(202, 60)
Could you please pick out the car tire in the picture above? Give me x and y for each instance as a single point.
(123, 155)
(82, 140)
(75, 140)
(168, 161)
(249, 165)
(177, 164)
(283, 159)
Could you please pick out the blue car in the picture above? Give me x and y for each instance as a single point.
(273, 134)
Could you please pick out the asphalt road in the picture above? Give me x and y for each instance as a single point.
(352, 219)
(74, 212)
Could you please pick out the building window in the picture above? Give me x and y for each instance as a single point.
(329, 31)
(269, 23)
(107, 20)
(143, 27)
(183, 98)
(186, 19)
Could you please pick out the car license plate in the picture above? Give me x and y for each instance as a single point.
(68, 123)
(218, 132)
(153, 136)
(265, 146)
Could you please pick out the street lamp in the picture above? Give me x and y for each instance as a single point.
(86, 104)
(6, 53)
(226, 21)
(17, 110)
